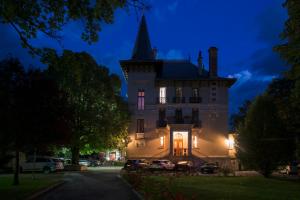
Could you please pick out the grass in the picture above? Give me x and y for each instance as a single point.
(27, 186)
(214, 188)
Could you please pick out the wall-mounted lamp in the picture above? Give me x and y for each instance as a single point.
(229, 143)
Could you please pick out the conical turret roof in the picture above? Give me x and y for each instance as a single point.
(142, 48)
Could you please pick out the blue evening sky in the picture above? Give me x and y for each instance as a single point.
(244, 32)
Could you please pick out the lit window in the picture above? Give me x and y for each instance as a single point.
(162, 141)
(178, 92)
(141, 99)
(195, 141)
(195, 92)
(162, 95)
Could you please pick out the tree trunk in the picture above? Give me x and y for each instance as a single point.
(75, 155)
(17, 168)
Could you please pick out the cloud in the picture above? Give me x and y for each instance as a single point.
(248, 85)
(173, 6)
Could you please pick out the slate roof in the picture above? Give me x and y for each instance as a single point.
(142, 49)
(180, 69)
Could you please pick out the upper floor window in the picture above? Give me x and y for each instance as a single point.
(178, 92)
(162, 114)
(195, 115)
(162, 95)
(141, 99)
(178, 115)
(140, 125)
(195, 92)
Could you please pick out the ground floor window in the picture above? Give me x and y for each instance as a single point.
(195, 141)
(162, 141)
(140, 143)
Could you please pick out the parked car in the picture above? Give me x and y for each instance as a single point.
(59, 163)
(209, 168)
(292, 169)
(136, 164)
(184, 166)
(43, 164)
(162, 165)
(84, 162)
(95, 163)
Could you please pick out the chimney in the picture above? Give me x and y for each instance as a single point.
(154, 52)
(213, 61)
(200, 63)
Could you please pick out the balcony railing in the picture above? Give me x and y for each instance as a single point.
(195, 99)
(162, 100)
(184, 120)
(161, 123)
(178, 99)
(180, 152)
(139, 136)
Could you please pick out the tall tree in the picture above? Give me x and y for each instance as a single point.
(32, 111)
(290, 51)
(262, 143)
(48, 17)
(93, 94)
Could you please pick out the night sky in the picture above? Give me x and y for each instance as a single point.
(244, 32)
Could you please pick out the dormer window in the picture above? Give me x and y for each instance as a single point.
(141, 99)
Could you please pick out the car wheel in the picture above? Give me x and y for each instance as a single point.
(46, 170)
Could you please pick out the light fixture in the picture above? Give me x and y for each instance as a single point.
(229, 143)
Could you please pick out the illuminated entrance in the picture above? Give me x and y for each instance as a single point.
(180, 143)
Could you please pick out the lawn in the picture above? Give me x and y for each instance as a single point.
(214, 188)
(27, 185)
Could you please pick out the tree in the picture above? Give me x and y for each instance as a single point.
(290, 52)
(93, 95)
(48, 17)
(262, 140)
(32, 111)
(238, 118)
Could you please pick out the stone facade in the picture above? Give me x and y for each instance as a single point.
(178, 110)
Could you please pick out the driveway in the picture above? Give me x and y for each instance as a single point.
(100, 183)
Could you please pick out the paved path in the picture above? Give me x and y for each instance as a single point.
(92, 185)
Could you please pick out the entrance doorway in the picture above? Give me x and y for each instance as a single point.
(180, 143)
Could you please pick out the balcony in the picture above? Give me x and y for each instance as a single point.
(161, 123)
(178, 99)
(196, 123)
(184, 120)
(162, 100)
(195, 99)
(139, 136)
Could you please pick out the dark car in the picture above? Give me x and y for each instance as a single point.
(162, 165)
(136, 164)
(209, 168)
(184, 166)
